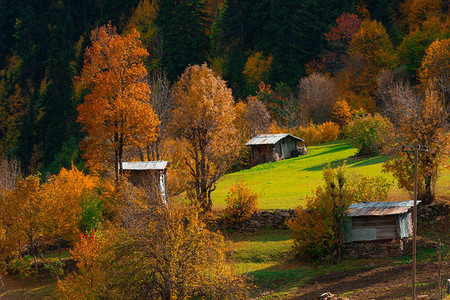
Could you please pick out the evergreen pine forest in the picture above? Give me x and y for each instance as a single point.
(86, 85)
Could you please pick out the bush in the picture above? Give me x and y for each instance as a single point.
(313, 134)
(329, 132)
(371, 189)
(242, 203)
(367, 133)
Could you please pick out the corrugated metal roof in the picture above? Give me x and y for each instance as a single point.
(145, 165)
(269, 139)
(379, 208)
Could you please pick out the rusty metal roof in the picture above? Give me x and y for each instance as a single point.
(270, 139)
(145, 165)
(379, 208)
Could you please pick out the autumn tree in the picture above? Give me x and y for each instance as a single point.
(203, 120)
(419, 121)
(415, 12)
(21, 213)
(257, 68)
(116, 113)
(338, 38)
(318, 229)
(317, 94)
(368, 133)
(160, 252)
(341, 113)
(373, 43)
(435, 69)
(63, 198)
(412, 49)
(143, 20)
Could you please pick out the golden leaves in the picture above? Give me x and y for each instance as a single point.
(116, 113)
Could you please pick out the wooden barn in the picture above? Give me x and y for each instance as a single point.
(273, 147)
(151, 174)
(370, 221)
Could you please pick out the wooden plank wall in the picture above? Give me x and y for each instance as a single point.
(385, 226)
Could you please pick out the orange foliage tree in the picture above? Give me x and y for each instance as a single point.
(203, 121)
(116, 113)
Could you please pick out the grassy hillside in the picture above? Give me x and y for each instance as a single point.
(285, 184)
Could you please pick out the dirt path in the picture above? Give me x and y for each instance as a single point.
(387, 282)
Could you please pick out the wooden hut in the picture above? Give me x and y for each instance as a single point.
(149, 174)
(273, 147)
(370, 221)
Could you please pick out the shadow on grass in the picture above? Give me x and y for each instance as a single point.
(264, 236)
(332, 148)
(351, 163)
(368, 161)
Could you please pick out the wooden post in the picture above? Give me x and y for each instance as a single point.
(416, 158)
(439, 271)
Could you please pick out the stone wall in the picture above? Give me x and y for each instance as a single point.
(385, 248)
(269, 220)
(262, 220)
(432, 211)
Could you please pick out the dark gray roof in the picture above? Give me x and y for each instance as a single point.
(379, 208)
(270, 139)
(145, 165)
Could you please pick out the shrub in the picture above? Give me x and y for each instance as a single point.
(313, 134)
(329, 131)
(371, 189)
(367, 133)
(318, 229)
(241, 203)
(341, 113)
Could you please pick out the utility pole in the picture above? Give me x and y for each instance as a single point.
(416, 150)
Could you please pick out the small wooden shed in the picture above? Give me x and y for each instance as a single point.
(273, 147)
(151, 174)
(370, 221)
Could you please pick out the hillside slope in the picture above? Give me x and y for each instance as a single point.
(286, 184)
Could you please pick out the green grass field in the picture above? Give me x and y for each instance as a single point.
(285, 184)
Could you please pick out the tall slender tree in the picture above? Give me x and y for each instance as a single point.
(116, 113)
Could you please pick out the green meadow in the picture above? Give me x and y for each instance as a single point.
(286, 184)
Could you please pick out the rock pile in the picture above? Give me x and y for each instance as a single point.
(330, 296)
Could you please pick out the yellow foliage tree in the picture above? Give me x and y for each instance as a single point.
(62, 197)
(116, 113)
(203, 121)
(341, 113)
(318, 229)
(435, 70)
(21, 217)
(257, 68)
(161, 252)
(423, 123)
(373, 43)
